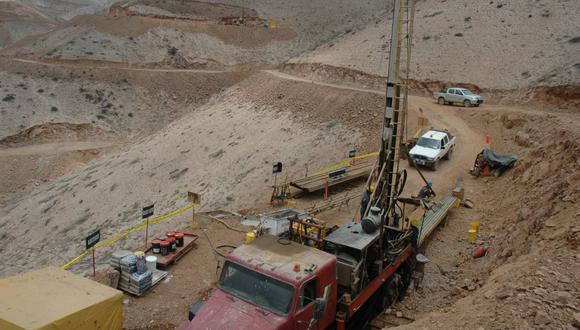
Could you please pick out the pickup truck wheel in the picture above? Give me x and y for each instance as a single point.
(435, 165)
(411, 162)
(441, 101)
(448, 155)
(467, 103)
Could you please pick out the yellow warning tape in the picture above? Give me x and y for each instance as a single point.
(346, 162)
(125, 234)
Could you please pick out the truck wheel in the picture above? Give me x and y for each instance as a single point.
(441, 101)
(467, 103)
(390, 293)
(448, 155)
(435, 165)
(411, 162)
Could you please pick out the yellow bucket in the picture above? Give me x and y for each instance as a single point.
(472, 235)
(475, 225)
(250, 236)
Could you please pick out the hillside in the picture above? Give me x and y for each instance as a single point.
(492, 44)
(18, 20)
(145, 32)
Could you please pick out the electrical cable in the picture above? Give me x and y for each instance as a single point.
(215, 253)
(287, 241)
(224, 246)
(226, 225)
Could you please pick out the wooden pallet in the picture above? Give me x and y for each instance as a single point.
(165, 261)
(158, 275)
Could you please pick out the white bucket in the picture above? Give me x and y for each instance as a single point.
(151, 263)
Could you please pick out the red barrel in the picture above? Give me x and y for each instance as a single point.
(165, 247)
(179, 238)
(172, 243)
(156, 246)
(170, 234)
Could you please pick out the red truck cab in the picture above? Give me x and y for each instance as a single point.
(272, 283)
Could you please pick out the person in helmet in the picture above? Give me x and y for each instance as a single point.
(427, 191)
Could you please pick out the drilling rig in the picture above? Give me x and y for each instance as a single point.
(343, 278)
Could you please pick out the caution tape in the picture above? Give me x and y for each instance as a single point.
(125, 234)
(346, 162)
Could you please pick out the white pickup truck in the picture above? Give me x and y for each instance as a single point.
(431, 148)
(458, 95)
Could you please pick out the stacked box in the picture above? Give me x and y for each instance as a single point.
(130, 280)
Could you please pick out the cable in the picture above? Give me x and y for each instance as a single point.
(215, 253)
(287, 241)
(226, 225)
(224, 246)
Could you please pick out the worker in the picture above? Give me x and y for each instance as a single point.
(427, 191)
(366, 198)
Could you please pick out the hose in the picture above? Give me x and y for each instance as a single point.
(226, 225)
(223, 246)
(215, 253)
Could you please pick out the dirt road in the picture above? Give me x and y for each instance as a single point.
(73, 64)
(51, 148)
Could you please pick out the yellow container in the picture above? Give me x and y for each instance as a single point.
(250, 236)
(475, 225)
(471, 235)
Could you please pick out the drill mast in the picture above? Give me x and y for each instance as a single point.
(394, 120)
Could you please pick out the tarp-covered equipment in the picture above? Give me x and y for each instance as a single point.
(53, 298)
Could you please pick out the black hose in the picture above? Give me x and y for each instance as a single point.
(216, 249)
(284, 241)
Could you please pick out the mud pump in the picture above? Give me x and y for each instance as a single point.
(340, 279)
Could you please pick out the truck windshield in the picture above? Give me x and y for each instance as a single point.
(256, 288)
(466, 92)
(428, 143)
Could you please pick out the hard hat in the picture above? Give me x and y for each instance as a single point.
(372, 188)
(429, 183)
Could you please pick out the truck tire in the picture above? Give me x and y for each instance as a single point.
(467, 103)
(390, 293)
(411, 162)
(435, 165)
(448, 155)
(441, 101)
